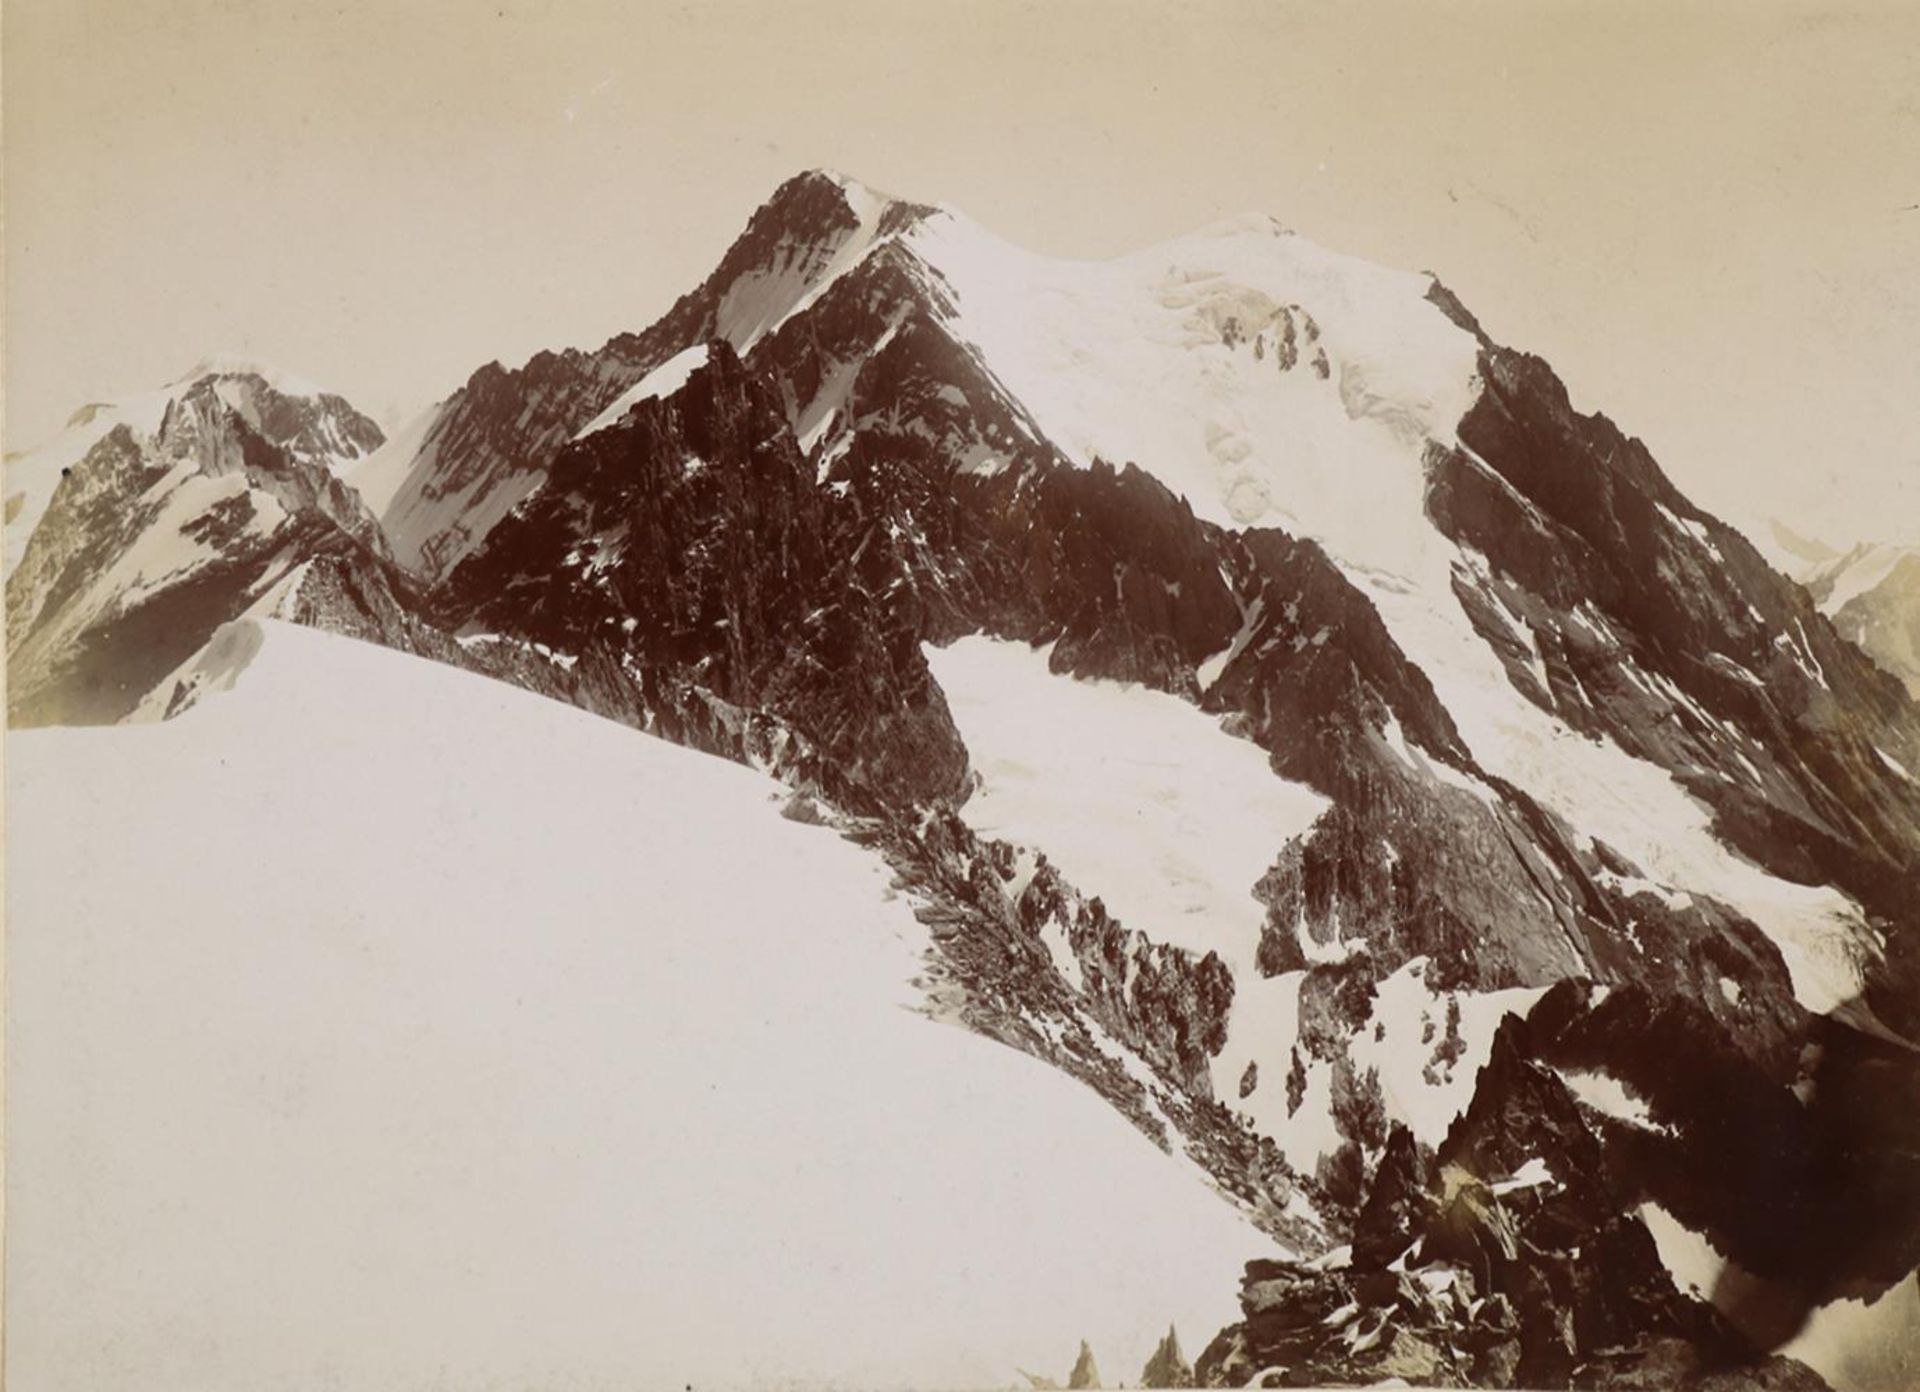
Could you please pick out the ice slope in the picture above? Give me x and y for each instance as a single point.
(1603, 792)
(379, 476)
(1169, 358)
(489, 1044)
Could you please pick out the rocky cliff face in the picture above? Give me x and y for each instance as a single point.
(691, 542)
(1514, 1256)
(1457, 1310)
(1664, 631)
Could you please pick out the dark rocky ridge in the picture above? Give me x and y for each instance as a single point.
(691, 538)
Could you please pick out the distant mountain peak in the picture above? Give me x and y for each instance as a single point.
(1086, 1373)
(1169, 1366)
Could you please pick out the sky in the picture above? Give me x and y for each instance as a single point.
(1706, 216)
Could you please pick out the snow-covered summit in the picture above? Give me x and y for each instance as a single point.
(1232, 362)
(854, 188)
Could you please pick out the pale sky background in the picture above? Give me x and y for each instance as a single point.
(1704, 215)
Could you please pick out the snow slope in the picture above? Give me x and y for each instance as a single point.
(1171, 358)
(379, 476)
(1139, 798)
(1633, 805)
(488, 1043)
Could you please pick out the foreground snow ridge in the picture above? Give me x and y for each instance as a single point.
(565, 1025)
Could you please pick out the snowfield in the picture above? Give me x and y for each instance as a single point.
(1142, 799)
(376, 1025)
(1134, 795)
(1196, 359)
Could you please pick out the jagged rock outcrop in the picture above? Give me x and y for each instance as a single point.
(1513, 1258)
(1085, 1372)
(1168, 1367)
(690, 539)
(1812, 1188)
(487, 447)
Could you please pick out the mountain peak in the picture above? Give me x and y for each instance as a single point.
(826, 194)
(1168, 1367)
